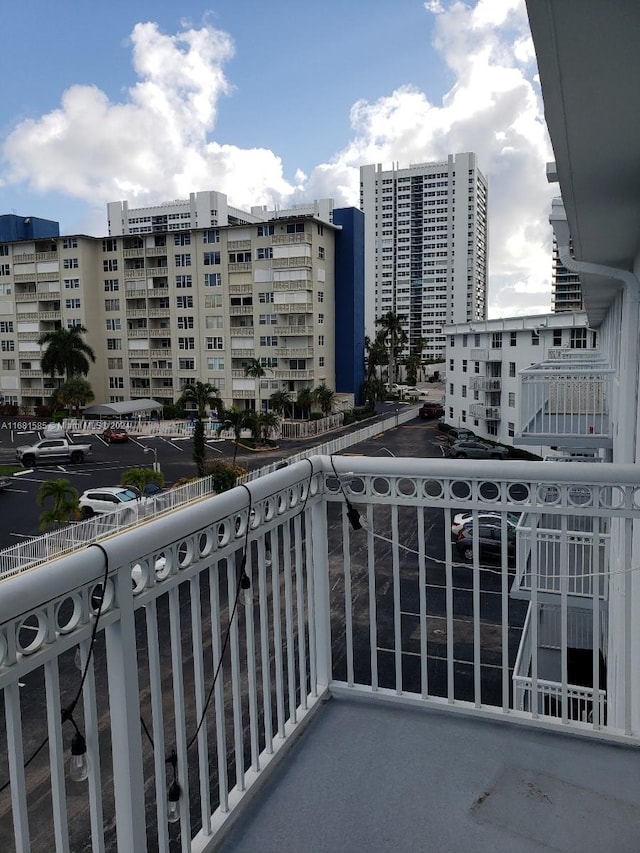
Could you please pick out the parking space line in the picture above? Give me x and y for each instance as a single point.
(171, 444)
(100, 438)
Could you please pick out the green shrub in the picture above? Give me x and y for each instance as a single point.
(224, 474)
(316, 416)
(349, 417)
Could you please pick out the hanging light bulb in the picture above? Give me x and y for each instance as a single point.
(173, 803)
(79, 765)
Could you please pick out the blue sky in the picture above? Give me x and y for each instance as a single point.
(274, 102)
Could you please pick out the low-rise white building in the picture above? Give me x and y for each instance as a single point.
(483, 364)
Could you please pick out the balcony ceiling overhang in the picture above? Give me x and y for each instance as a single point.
(589, 62)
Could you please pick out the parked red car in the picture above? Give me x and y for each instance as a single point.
(428, 411)
(112, 434)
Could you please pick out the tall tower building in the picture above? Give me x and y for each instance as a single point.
(566, 290)
(425, 247)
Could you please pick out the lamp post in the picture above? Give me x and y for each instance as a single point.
(156, 465)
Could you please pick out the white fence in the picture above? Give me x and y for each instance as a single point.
(223, 673)
(52, 545)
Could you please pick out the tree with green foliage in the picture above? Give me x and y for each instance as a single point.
(394, 338)
(63, 500)
(66, 354)
(280, 402)
(374, 391)
(75, 393)
(199, 446)
(413, 365)
(268, 424)
(201, 394)
(235, 419)
(223, 474)
(325, 398)
(376, 355)
(305, 401)
(256, 371)
(141, 477)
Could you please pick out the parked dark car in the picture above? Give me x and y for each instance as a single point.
(489, 541)
(452, 433)
(429, 411)
(476, 449)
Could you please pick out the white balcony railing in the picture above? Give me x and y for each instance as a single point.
(224, 677)
(566, 403)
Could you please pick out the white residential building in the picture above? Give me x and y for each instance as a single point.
(426, 247)
(483, 364)
(204, 209)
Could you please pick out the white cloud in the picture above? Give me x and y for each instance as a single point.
(98, 151)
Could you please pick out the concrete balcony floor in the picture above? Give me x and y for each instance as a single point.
(370, 776)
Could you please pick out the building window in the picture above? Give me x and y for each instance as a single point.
(113, 324)
(463, 416)
(7, 346)
(264, 254)
(71, 264)
(513, 339)
(492, 428)
(297, 364)
(183, 260)
(114, 343)
(114, 363)
(216, 362)
(496, 340)
(116, 382)
(185, 322)
(557, 337)
(108, 265)
(212, 279)
(72, 304)
(578, 339)
(450, 412)
(214, 322)
(6, 326)
(211, 236)
(268, 340)
(512, 399)
(267, 319)
(464, 365)
(72, 243)
(464, 340)
(321, 361)
(186, 364)
(182, 239)
(111, 304)
(451, 388)
(295, 228)
(512, 368)
(72, 284)
(476, 340)
(111, 285)
(184, 281)
(320, 319)
(265, 297)
(184, 301)
(511, 429)
(186, 343)
(265, 230)
(535, 338)
(214, 343)
(476, 367)
(451, 364)
(321, 253)
(321, 296)
(5, 269)
(320, 340)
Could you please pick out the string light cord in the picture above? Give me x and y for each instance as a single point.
(352, 513)
(67, 713)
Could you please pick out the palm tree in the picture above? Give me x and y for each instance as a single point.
(202, 394)
(376, 354)
(280, 401)
(394, 338)
(235, 419)
(413, 366)
(74, 393)
(305, 400)
(66, 352)
(325, 398)
(374, 391)
(269, 422)
(256, 371)
(64, 504)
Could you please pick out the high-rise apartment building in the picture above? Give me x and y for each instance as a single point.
(566, 290)
(167, 308)
(425, 247)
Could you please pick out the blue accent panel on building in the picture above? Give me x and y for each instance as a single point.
(16, 228)
(349, 297)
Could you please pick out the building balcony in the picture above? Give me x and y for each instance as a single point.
(136, 312)
(398, 662)
(299, 284)
(161, 352)
(295, 374)
(290, 331)
(565, 402)
(243, 266)
(281, 263)
(293, 352)
(485, 383)
(240, 310)
(138, 333)
(138, 252)
(486, 354)
(293, 307)
(299, 237)
(487, 413)
(159, 312)
(237, 245)
(240, 288)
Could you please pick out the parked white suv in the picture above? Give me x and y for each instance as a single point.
(111, 499)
